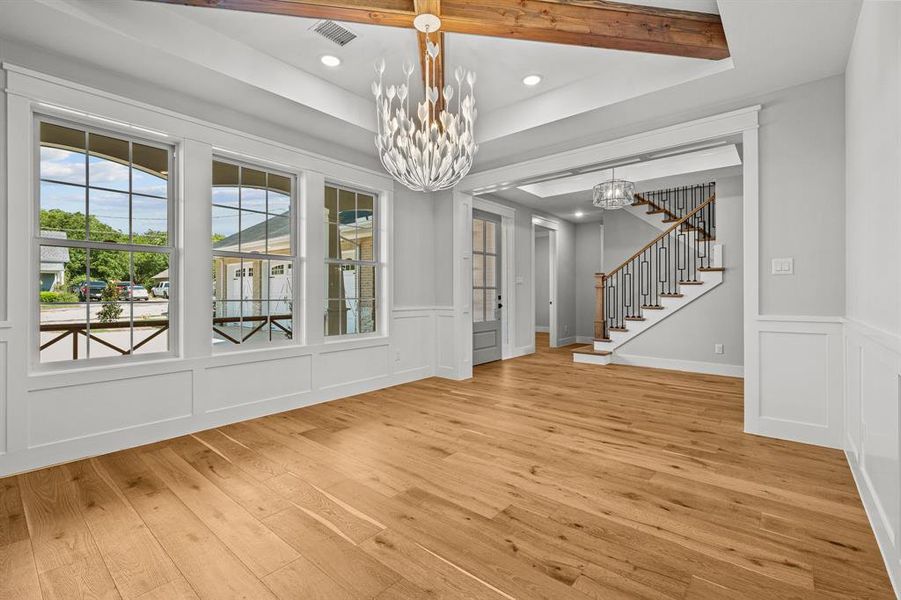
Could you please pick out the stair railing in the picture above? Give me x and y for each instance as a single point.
(656, 271)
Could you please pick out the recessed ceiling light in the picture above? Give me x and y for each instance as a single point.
(330, 61)
(579, 214)
(531, 80)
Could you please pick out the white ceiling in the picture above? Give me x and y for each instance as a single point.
(574, 78)
(268, 66)
(281, 55)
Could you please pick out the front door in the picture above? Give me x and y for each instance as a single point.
(486, 287)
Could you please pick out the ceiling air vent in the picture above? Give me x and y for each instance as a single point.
(334, 32)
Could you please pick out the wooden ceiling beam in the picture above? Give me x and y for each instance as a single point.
(598, 25)
(594, 23)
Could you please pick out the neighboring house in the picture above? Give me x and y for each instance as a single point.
(53, 262)
(234, 282)
(161, 276)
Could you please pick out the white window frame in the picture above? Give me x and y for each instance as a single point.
(171, 247)
(377, 263)
(297, 317)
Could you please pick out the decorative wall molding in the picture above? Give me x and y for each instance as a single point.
(872, 436)
(794, 379)
(696, 130)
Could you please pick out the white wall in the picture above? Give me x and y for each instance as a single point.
(715, 318)
(802, 153)
(590, 247)
(51, 416)
(542, 282)
(873, 297)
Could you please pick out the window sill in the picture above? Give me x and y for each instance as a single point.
(88, 366)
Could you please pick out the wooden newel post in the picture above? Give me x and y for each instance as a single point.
(600, 319)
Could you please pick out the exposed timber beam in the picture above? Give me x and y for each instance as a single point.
(594, 23)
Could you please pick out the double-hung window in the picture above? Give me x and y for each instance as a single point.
(351, 261)
(104, 239)
(253, 254)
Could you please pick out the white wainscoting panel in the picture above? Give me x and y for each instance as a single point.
(413, 341)
(795, 380)
(446, 334)
(344, 367)
(4, 382)
(873, 432)
(69, 412)
(92, 411)
(794, 377)
(228, 386)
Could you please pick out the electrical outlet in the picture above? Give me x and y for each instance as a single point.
(397, 357)
(718, 348)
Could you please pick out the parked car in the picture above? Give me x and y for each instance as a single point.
(91, 290)
(132, 290)
(160, 290)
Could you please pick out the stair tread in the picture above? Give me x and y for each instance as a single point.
(603, 340)
(711, 269)
(590, 350)
(634, 318)
(650, 307)
(690, 282)
(672, 295)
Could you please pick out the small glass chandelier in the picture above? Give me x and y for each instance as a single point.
(613, 194)
(433, 149)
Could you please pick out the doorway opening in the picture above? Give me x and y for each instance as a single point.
(544, 242)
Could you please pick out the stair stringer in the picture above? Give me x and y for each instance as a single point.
(655, 220)
(711, 280)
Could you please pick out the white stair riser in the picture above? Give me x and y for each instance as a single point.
(592, 359)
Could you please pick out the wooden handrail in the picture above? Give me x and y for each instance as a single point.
(675, 225)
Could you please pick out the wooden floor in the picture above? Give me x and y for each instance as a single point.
(539, 478)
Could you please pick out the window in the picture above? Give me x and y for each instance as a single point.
(104, 239)
(253, 243)
(351, 262)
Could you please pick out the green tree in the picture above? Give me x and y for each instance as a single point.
(110, 310)
(74, 226)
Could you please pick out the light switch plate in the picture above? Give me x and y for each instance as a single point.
(783, 266)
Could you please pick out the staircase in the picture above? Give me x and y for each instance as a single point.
(674, 269)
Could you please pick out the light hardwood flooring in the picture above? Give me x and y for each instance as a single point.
(538, 478)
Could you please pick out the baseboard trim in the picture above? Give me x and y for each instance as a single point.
(584, 339)
(522, 351)
(567, 341)
(673, 364)
(542, 329)
(883, 538)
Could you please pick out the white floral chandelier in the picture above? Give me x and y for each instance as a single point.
(433, 150)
